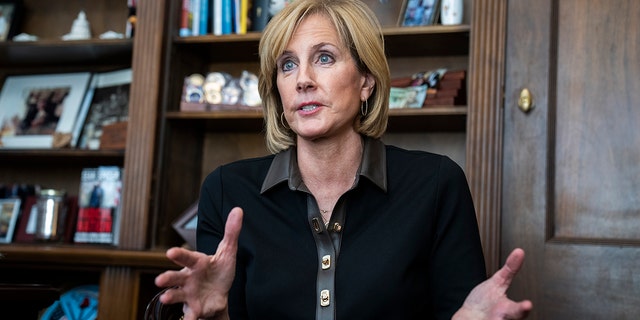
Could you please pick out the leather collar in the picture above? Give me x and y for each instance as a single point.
(284, 167)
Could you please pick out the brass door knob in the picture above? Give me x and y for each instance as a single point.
(525, 102)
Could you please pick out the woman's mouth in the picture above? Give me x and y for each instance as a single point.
(309, 107)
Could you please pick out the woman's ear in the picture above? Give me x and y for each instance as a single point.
(367, 87)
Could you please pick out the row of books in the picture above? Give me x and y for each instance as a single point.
(220, 17)
(81, 110)
(91, 217)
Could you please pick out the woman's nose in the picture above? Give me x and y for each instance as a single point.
(306, 78)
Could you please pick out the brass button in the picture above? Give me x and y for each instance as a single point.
(317, 226)
(326, 262)
(337, 227)
(325, 299)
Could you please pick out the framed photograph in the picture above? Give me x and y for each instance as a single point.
(420, 12)
(9, 212)
(36, 108)
(10, 17)
(106, 103)
(186, 225)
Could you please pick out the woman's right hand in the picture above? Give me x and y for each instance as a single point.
(203, 284)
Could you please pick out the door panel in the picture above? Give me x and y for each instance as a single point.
(597, 110)
(571, 173)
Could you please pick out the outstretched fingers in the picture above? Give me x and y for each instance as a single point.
(228, 247)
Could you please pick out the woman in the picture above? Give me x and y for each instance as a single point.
(335, 224)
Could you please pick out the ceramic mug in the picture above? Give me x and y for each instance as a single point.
(451, 12)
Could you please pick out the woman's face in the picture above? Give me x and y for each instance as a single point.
(319, 83)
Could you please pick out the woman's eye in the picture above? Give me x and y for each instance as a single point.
(288, 65)
(325, 58)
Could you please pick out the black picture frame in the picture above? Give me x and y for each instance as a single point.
(420, 12)
(10, 18)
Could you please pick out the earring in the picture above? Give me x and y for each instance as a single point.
(282, 121)
(364, 107)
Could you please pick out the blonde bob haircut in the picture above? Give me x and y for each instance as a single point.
(360, 31)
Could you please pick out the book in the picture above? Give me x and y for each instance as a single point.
(454, 74)
(259, 15)
(99, 205)
(446, 101)
(448, 92)
(109, 103)
(195, 17)
(185, 18)
(204, 17)
(217, 17)
(130, 26)
(451, 84)
(227, 16)
(244, 17)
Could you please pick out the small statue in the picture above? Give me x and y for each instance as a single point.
(80, 29)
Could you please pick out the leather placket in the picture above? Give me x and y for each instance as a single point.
(327, 240)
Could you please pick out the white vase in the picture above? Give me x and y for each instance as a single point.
(451, 11)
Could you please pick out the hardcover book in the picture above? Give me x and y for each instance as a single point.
(99, 205)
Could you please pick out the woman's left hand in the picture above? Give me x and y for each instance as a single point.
(489, 301)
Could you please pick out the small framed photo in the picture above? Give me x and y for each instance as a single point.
(420, 12)
(10, 16)
(186, 225)
(9, 212)
(36, 108)
(106, 103)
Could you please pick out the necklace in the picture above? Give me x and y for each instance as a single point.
(323, 213)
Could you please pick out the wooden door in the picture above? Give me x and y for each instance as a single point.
(571, 166)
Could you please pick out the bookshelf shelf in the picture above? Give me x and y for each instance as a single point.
(424, 41)
(37, 158)
(77, 53)
(83, 256)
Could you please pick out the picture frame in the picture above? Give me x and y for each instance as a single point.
(40, 111)
(420, 12)
(9, 212)
(10, 18)
(186, 225)
(106, 102)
